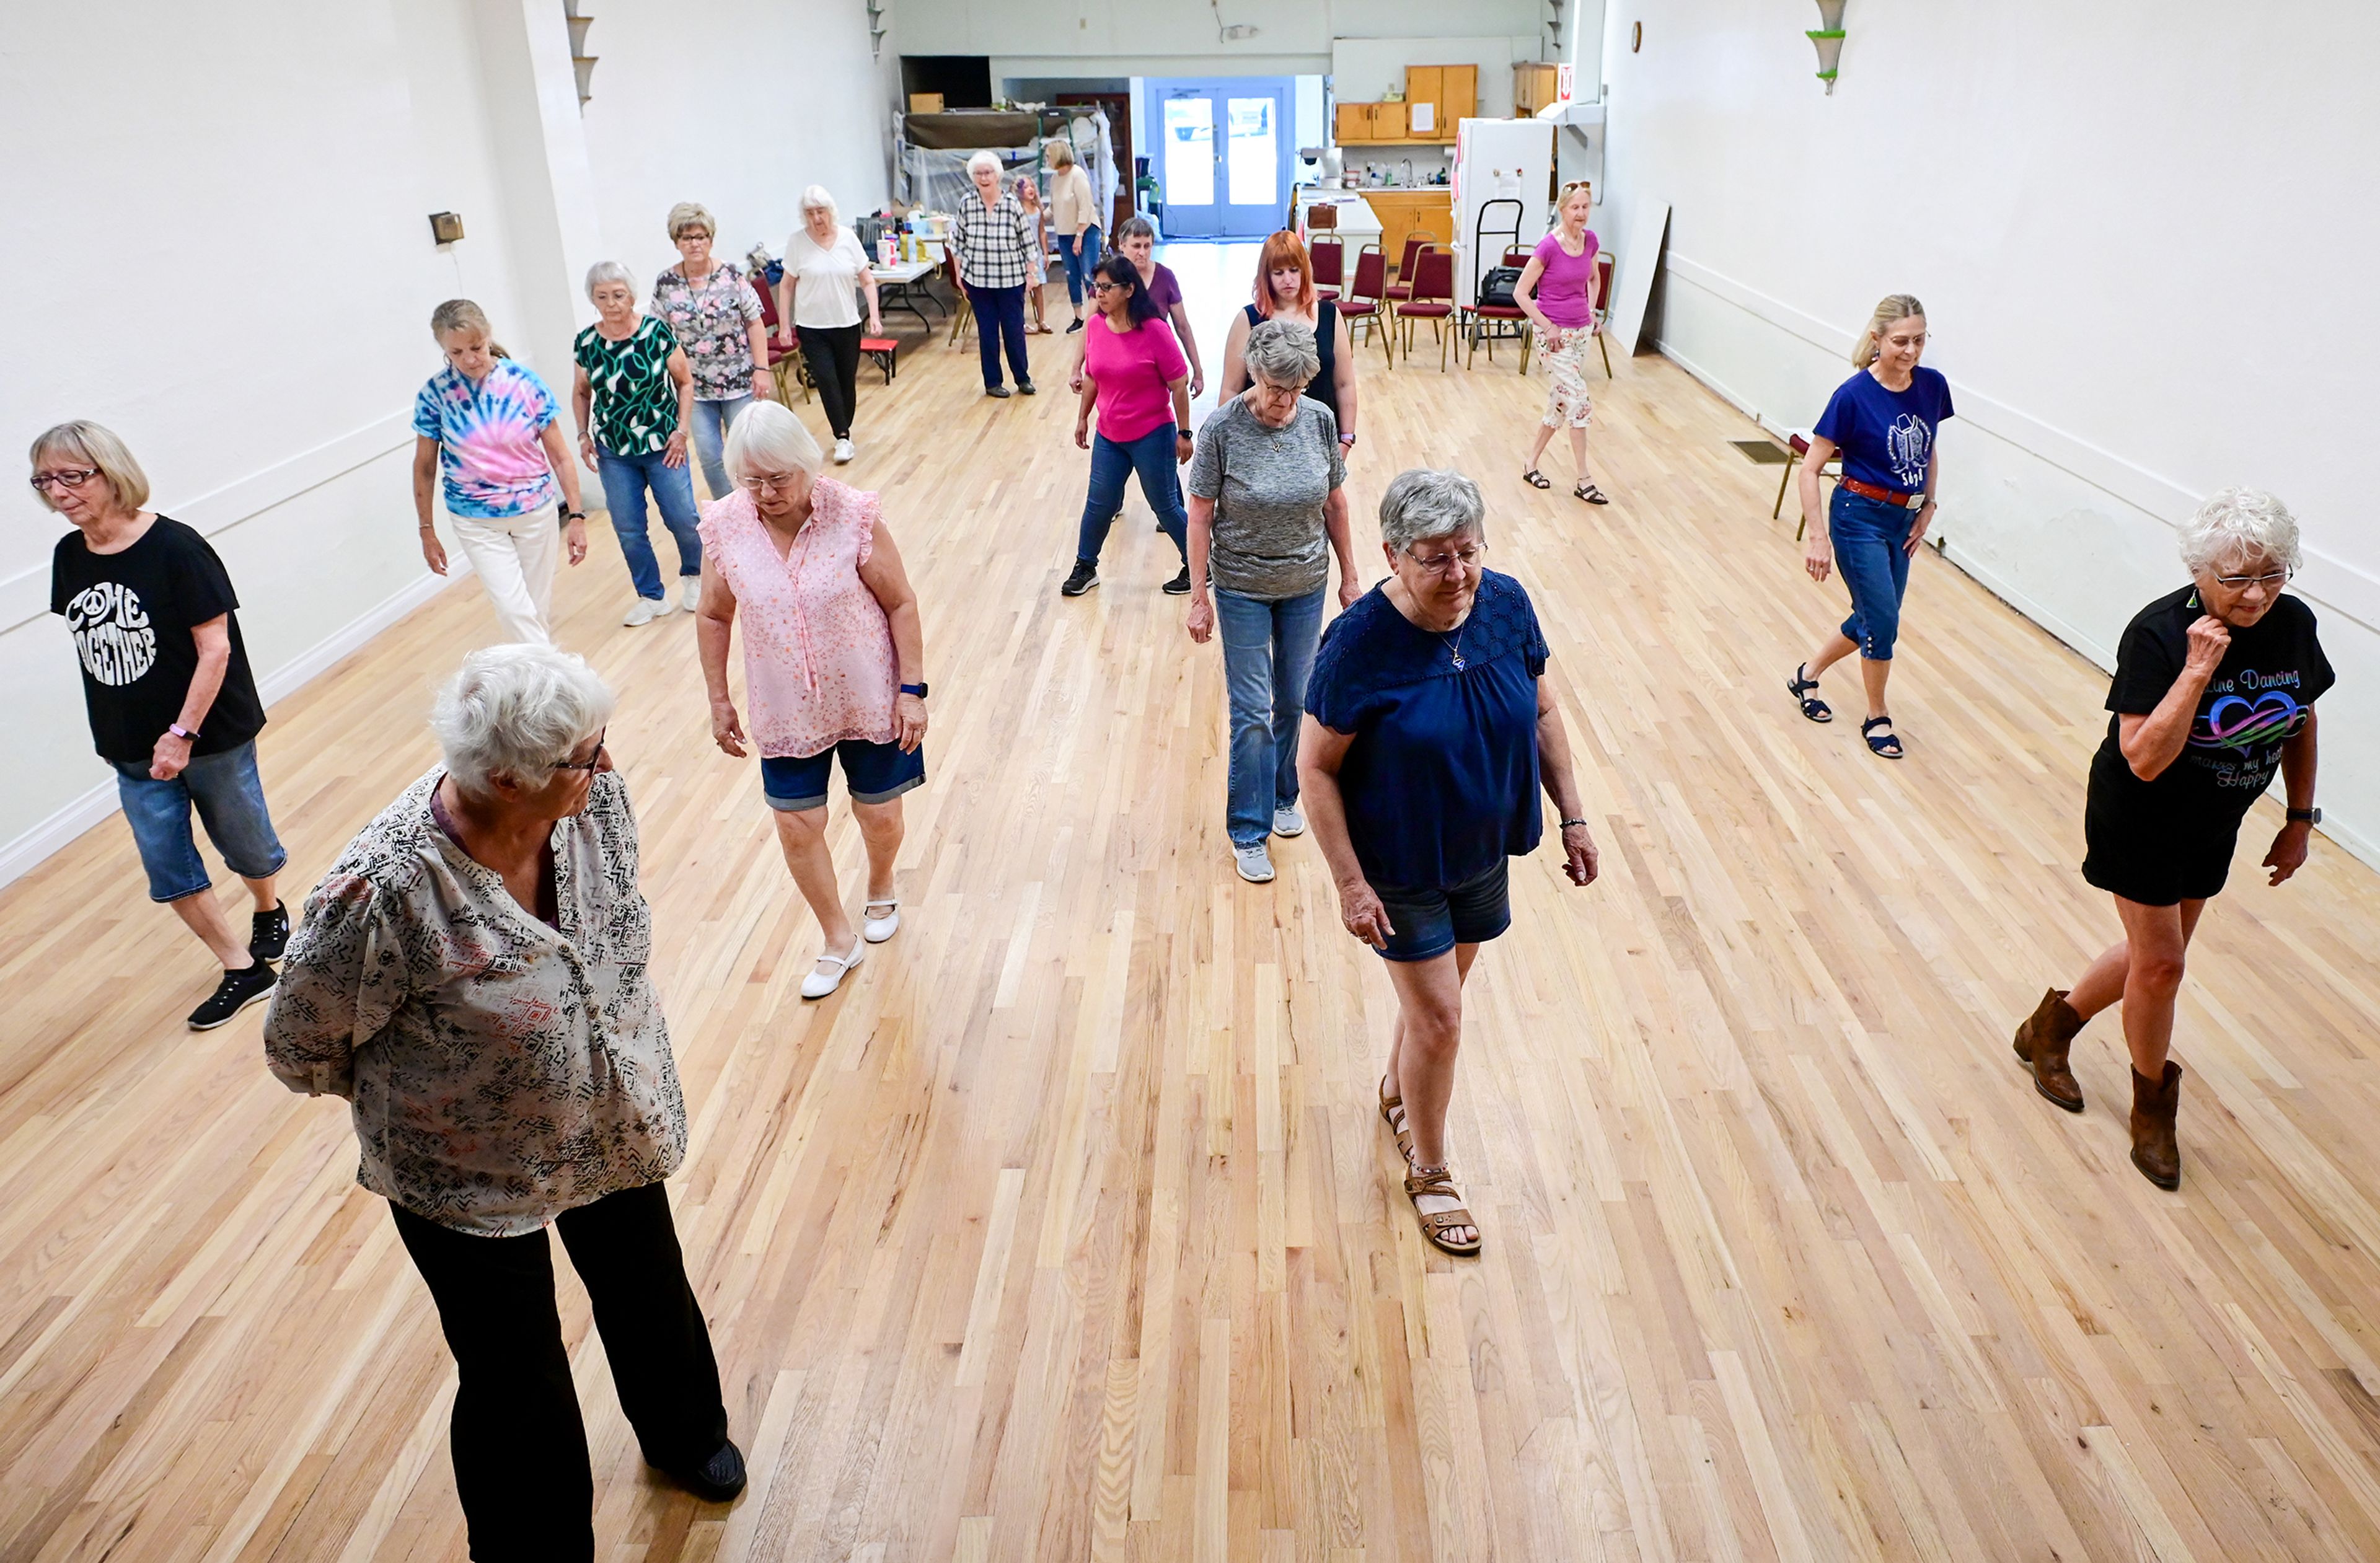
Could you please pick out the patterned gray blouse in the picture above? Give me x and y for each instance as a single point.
(501, 1070)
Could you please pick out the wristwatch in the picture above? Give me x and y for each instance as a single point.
(569, 516)
(2310, 816)
(185, 734)
(917, 689)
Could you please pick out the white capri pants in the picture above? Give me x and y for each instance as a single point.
(1567, 402)
(515, 557)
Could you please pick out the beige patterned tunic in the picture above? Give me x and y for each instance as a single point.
(501, 1070)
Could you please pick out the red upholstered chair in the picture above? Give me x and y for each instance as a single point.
(1800, 447)
(1399, 291)
(1483, 319)
(1362, 304)
(1330, 266)
(1432, 300)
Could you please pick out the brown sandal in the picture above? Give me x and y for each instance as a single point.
(1392, 1113)
(1440, 1181)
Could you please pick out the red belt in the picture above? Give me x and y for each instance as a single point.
(1883, 496)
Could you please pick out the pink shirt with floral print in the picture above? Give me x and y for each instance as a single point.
(819, 663)
(711, 320)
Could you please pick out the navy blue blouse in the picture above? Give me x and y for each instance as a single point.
(1442, 780)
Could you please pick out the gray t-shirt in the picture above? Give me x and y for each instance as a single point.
(1268, 486)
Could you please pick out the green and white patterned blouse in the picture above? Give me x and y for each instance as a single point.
(634, 400)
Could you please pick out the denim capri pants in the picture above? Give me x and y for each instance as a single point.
(1872, 555)
(875, 773)
(229, 796)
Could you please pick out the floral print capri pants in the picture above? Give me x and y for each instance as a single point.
(1565, 358)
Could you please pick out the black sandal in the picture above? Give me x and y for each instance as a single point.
(1799, 686)
(1589, 492)
(1867, 731)
(1536, 480)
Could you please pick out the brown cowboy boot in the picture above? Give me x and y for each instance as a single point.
(2041, 1045)
(2155, 1105)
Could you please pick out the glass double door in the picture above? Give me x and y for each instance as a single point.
(1223, 151)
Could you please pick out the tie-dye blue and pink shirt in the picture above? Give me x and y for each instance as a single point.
(487, 438)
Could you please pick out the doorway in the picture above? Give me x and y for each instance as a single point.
(1221, 149)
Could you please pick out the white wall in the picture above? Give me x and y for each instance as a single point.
(243, 282)
(2140, 232)
(1361, 68)
(1031, 38)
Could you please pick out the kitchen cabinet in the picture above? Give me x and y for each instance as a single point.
(1408, 214)
(1533, 86)
(1451, 94)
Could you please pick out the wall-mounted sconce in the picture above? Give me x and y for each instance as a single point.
(445, 227)
(1829, 41)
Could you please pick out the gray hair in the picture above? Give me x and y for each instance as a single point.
(691, 214)
(514, 710)
(815, 199)
(1282, 353)
(98, 447)
(767, 436)
(609, 271)
(983, 160)
(1426, 502)
(2243, 524)
(1133, 227)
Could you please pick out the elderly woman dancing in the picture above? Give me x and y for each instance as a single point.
(1265, 500)
(471, 975)
(2214, 693)
(716, 315)
(826, 273)
(833, 666)
(995, 243)
(1429, 730)
(634, 399)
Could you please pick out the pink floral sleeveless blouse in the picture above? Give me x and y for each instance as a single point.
(819, 665)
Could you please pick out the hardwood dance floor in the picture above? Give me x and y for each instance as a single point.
(1067, 1230)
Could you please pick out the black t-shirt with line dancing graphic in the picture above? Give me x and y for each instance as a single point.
(130, 615)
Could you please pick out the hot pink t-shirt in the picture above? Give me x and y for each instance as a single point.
(1132, 370)
(1561, 288)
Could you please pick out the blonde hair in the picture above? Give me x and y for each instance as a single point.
(96, 445)
(767, 436)
(1889, 309)
(1061, 156)
(1571, 188)
(692, 214)
(461, 314)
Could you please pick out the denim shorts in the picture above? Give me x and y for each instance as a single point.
(875, 773)
(230, 800)
(1431, 922)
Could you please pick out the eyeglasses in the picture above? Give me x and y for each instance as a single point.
(1438, 563)
(2271, 581)
(1103, 285)
(591, 762)
(773, 483)
(72, 477)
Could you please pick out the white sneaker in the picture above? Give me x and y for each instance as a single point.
(821, 982)
(690, 592)
(1255, 864)
(1287, 821)
(843, 450)
(645, 610)
(876, 929)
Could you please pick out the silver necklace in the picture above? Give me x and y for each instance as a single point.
(1454, 646)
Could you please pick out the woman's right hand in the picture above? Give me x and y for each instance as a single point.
(785, 337)
(1363, 914)
(1083, 433)
(726, 730)
(1818, 557)
(434, 553)
(2209, 638)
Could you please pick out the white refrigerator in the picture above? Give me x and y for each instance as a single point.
(1506, 161)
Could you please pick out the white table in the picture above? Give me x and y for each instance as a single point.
(1357, 223)
(899, 285)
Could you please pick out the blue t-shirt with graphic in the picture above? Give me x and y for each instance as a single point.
(1886, 437)
(488, 446)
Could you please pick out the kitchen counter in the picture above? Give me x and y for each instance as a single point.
(1357, 223)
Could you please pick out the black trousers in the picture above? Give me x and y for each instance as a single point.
(832, 353)
(1000, 320)
(518, 1445)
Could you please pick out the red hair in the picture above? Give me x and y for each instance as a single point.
(1281, 251)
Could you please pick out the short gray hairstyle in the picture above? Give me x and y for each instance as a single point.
(97, 446)
(514, 710)
(815, 198)
(1135, 226)
(1426, 502)
(1283, 353)
(691, 214)
(2242, 525)
(767, 436)
(983, 160)
(609, 271)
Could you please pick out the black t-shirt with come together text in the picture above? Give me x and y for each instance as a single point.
(130, 614)
(2271, 674)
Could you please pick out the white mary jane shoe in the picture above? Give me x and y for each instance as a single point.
(817, 985)
(876, 929)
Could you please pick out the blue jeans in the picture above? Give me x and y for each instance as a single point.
(999, 318)
(1151, 455)
(1872, 555)
(1267, 657)
(710, 422)
(230, 799)
(1078, 265)
(626, 478)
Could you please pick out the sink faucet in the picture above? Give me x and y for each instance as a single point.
(1408, 163)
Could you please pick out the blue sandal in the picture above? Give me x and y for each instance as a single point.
(1799, 686)
(1867, 731)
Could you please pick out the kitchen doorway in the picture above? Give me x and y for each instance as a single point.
(1220, 152)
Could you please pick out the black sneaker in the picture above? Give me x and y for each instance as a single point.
(996, 391)
(1180, 585)
(237, 991)
(269, 933)
(1076, 327)
(716, 1479)
(1025, 387)
(1085, 577)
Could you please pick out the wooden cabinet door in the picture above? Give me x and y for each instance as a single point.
(1351, 122)
(1424, 85)
(1458, 97)
(1387, 122)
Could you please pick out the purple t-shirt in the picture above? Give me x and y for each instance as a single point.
(1166, 289)
(1561, 287)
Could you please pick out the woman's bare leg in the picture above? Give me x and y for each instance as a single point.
(802, 833)
(1421, 1058)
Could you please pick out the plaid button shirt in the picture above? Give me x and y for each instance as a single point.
(995, 246)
